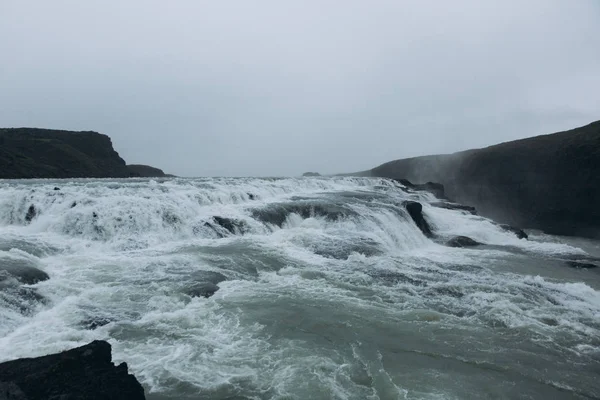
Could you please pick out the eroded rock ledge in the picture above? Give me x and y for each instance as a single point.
(83, 373)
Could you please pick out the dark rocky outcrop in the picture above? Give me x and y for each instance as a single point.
(31, 213)
(517, 231)
(415, 210)
(223, 226)
(47, 153)
(277, 213)
(462, 241)
(83, 373)
(454, 206)
(547, 182)
(437, 189)
(308, 174)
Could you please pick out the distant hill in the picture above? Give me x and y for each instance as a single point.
(145, 171)
(47, 153)
(550, 182)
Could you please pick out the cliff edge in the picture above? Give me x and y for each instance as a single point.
(549, 182)
(47, 153)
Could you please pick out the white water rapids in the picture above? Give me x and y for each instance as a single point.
(326, 290)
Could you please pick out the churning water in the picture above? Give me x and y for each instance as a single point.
(325, 289)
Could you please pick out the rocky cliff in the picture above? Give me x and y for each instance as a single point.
(549, 182)
(47, 153)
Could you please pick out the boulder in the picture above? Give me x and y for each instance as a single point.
(84, 373)
(415, 210)
(308, 174)
(202, 289)
(462, 241)
(31, 213)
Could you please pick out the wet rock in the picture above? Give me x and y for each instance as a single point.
(73, 204)
(31, 213)
(23, 271)
(223, 226)
(56, 188)
(84, 373)
(204, 289)
(462, 241)
(251, 196)
(437, 189)
(415, 210)
(454, 206)
(277, 214)
(226, 223)
(517, 231)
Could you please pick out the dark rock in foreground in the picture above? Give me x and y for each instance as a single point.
(83, 373)
(415, 210)
(548, 182)
(462, 241)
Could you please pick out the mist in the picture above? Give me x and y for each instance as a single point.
(274, 88)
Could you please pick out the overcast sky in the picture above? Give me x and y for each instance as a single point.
(282, 87)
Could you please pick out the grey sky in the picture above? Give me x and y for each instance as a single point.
(282, 87)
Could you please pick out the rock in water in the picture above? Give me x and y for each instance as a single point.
(83, 373)
(415, 210)
(517, 231)
(462, 241)
(31, 213)
(454, 206)
(437, 189)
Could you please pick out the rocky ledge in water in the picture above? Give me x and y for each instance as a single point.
(84, 373)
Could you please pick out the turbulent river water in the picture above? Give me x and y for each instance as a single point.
(326, 290)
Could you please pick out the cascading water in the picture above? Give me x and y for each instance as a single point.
(294, 289)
